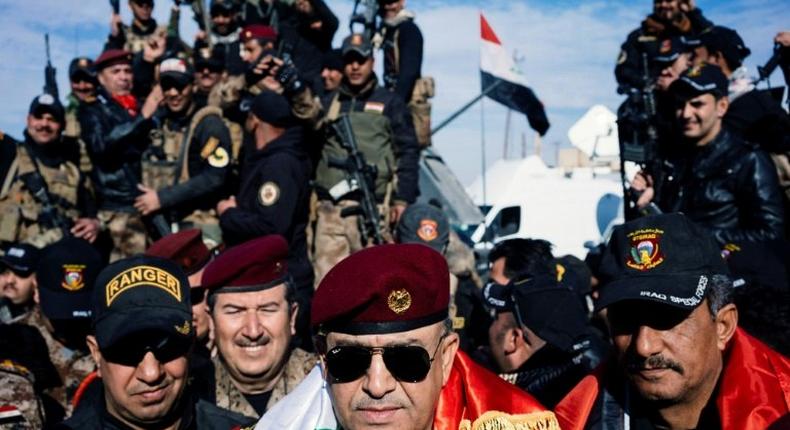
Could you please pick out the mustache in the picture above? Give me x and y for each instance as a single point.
(654, 362)
(246, 343)
(45, 128)
(384, 402)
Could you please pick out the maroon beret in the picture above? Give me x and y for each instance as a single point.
(258, 31)
(185, 248)
(383, 289)
(112, 57)
(252, 266)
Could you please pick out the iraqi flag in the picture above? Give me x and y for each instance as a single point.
(496, 66)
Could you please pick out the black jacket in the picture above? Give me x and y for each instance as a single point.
(208, 162)
(647, 39)
(401, 71)
(729, 186)
(91, 414)
(274, 198)
(757, 117)
(115, 141)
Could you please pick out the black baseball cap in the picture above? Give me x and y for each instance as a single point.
(357, 43)
(698, 80)
(22, 258)
(728, 42)
(218, 7)
(141, 295)
(332, 60)
(66, 274)
(663, 258)
(670, 49)
(47, 103)
(81, 66)
(211, 58)
(425, 224)
(271, 108)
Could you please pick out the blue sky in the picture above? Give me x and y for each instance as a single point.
(568, 47)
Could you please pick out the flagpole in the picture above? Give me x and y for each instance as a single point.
(465, 107)
(483, 148)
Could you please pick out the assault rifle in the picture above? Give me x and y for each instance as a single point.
(364, 13)
(116, 6)
(49, 217)
(638, 135)
(50, 83)
(361, 177)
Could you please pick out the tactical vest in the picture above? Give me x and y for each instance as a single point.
(20, 210)
(166, 161)
(136, 42)
(373, 133)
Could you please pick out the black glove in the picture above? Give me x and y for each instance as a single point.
(288, 77)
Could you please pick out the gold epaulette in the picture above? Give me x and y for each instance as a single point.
(495, 420)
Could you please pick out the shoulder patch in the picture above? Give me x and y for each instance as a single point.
(209, 147)
(219, 158)
(268, 194)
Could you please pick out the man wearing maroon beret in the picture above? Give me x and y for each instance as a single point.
(390, 359)
(255, 40)
(115, 128)
(253, 308)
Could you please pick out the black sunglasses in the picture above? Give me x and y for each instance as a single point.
(131, 350)
(167, 84)
(406, 363)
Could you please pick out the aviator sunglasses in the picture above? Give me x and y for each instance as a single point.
(408, 363)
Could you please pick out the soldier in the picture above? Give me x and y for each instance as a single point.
(143, 30)
(274, 196)
(116, 130)
(25, 371)
(332, 70)
(186, 164)
(253, 307)
(256, 40)
(65, 278)
(82, 78)
(143, 335)
(44, 194)
(306, 31)
(401, 41)
(223, 35)
(17, 281)
(706, 181)
(669, 18)
(389, 358)
(383, 130)
(209, 67)
(681, 361)
(187, 249)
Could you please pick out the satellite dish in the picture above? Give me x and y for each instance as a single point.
(595, 133)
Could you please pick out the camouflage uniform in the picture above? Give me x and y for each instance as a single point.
(16, 391)
(229, 397)
(20, 211)
(73, 366)
(127, 231)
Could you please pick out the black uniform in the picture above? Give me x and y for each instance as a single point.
(208, 161)
(198, 415)
(647, 39)
(274, 199)
(402, 56)
(729, 186)
(757, 117)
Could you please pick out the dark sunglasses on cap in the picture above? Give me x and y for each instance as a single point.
(408, 363)
(131, 350)
(169, 83)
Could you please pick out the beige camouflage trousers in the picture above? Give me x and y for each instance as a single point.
(127, 232)
(337, 237)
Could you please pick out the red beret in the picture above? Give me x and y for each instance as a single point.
(252, 266)
(383, 289)
(112, 57)
(185, 248)
(258, 31)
